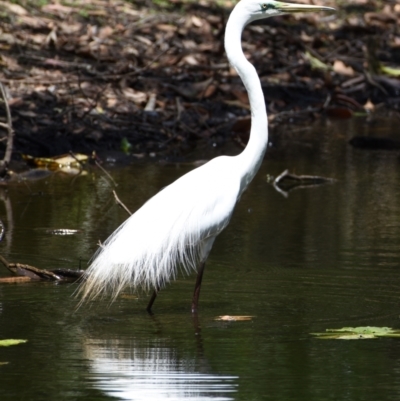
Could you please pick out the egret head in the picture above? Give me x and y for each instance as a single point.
(259, 9)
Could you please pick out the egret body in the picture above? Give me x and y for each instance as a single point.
(178, 226)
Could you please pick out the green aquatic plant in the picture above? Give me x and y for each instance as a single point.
(357, 333)
(7, 343)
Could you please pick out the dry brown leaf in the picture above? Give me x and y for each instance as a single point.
(228, 318)
(341, 68)
(57, 162)
(189, 60)
(14, 8)
(27, 113)
(166, 27)
(105, 32)
(208, 92)
(195, 90)
(128, 9)
(136, 97)
(279, 77)
(380, 17)
(33, 22)
(98, 13)
(14, 279)
(306, 38)
(151, 102)
(10, 62)
(57, 9)
(354, 21)
(369, 105)
(129, 296)
(144, 40)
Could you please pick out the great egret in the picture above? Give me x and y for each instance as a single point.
(178, 226)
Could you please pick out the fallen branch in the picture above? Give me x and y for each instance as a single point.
(287, 177)
(286, 182)
(30, 273)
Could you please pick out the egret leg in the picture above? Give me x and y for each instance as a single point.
(196, 294)
(152, 299)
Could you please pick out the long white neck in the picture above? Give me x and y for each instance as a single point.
(250, 159)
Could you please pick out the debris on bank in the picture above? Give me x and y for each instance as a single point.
(100, 75)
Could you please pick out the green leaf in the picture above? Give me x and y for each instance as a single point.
(357, 333)
(7, 343)
(391, 71)
(316, 64)
(126, 146)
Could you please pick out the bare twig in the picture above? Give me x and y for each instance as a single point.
(10, 134)
(2, 230)
(72, 154)
(4, 261)
(105, 172)
(120, 203)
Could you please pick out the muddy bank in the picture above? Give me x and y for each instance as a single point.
(152, 79)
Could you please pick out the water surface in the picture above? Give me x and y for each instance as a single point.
(321, 257)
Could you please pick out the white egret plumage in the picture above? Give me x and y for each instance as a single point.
(178, 226)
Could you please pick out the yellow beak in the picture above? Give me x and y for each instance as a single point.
(296, 8)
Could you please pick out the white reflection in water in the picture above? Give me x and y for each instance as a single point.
(153, 373)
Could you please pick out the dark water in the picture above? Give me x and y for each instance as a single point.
(322, 257)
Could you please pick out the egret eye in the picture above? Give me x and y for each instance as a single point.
(266, 6)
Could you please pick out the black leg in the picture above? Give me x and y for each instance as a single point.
(152, 299)
(196, 294)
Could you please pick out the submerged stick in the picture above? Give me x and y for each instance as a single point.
(29, 273)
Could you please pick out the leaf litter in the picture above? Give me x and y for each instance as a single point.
(98, 75)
